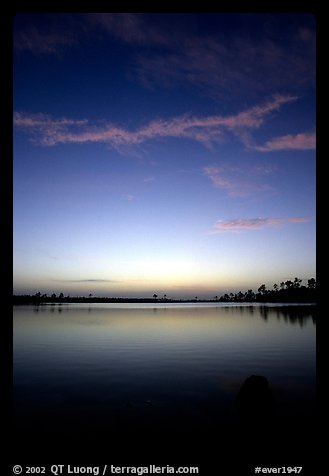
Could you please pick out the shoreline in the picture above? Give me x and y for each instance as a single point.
(84, 300)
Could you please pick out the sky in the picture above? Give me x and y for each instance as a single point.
(163, 153)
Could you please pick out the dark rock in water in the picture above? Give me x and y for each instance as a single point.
(255, 400)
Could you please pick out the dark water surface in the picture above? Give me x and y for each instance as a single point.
(91, 372)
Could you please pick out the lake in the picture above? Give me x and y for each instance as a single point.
(85, 370)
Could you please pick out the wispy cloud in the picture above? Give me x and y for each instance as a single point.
(246, 224)
(46, 130)
(129, 28)
(88, 280)
(44, 42)
(303, 141)
(169, 55)
(215, 174)
(149, 179)
(232, 66)
(59, 32)
(237, 183)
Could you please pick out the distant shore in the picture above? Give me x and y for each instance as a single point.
(292, 292)
(67, 300)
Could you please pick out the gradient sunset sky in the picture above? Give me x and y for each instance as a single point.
(163, 153)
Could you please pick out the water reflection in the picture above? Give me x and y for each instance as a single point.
(136, 367)
(292, 314)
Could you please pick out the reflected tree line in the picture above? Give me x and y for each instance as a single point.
(291, 314)
(288, 291)
(294, 313)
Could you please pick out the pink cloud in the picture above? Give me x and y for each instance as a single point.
(303, 141)
(236, 182)
(254, 117)
(245, 224)
(207, 130)
(216, 176)
(45, 130)
(43, 120)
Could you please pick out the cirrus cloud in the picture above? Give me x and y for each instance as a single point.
(87, 280)
(168, 55)
(237, 183)
(245, 224)
(47, 131)
(44, 42)
(303, 141)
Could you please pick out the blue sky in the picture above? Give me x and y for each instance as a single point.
(169, 154)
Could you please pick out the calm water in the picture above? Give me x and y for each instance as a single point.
(82, 369)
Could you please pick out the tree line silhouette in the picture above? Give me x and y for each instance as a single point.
(288, 291)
